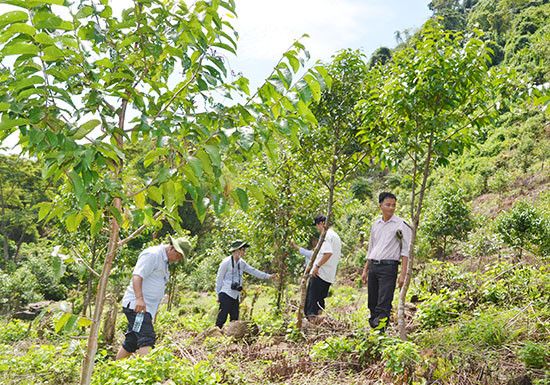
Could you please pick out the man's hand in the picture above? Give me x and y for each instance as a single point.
(294, 245)
(365, 276)
(273, 276)
(140, 306)
(401, 280)
(315, 271)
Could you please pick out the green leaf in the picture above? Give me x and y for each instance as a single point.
(214, 155)
(246, 137)
(153, 155)
(57, 267)
(77, 184)
(36, 3)
(220, 204)
(243, 198)
(256, 193)
(13, 17)
(86, 128)
(73, 221)
(84, 322)
(196, 165)
(116, 214)
(155, 193)
(45, 208)
(71, 323)
(20, 48)
(61, 322)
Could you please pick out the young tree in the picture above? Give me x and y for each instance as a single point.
(331, 150)
(449, 216)
(80, 84)
(431, 102)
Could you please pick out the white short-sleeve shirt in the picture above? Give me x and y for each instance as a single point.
(152, 266)
(332, 245)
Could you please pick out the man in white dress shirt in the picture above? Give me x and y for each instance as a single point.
(389, 242)
(324, 269)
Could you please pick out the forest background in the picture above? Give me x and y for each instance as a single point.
(468, 163)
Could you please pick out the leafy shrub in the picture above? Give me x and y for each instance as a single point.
(270, 323)
(361, 349)
(535, 355)
(442, 307)
(18, 289)
(46, 364)
(13, 331)
(401, 357)
(160, 366)
(449, 216)
(481, 242)
(525, 227)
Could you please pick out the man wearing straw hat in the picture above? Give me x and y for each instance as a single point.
(229, 281)
(145, 291)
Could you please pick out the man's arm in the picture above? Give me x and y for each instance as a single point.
(365, 274)
(255, 272)
(137, 284)
(322, 261)
(401, 279)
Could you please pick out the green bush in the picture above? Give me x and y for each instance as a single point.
(362, 349)
(443, 307)
(42, 364)
(401, 357)
(535, 355)
(160, 366)
(525, 227)
(13, 331)
(18, 289)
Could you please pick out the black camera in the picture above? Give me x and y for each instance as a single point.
(236, 286)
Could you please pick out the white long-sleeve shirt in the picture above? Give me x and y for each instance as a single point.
(228, 273)
(384, 243)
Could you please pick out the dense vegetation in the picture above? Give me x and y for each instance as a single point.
(476, 311)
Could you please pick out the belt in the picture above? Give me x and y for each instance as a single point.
(384, 262)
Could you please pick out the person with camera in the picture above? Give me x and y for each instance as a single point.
(229, 281)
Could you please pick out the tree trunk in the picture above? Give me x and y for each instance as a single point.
(305, 275)
(20, 242)
(88, 365)
(89, 286)
(402, 328)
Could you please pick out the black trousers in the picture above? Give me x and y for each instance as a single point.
(381, 286)
(317, 291)
(228, 306)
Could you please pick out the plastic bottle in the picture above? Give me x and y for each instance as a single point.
(137, 322)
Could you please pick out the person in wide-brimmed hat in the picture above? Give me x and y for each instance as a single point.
(145, 291)
(229, 281)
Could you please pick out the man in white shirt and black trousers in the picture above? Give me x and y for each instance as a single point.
(323, 272)
(389, 242)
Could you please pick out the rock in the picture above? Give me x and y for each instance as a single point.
(214, 331)
(31, 311)
(238, 329)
